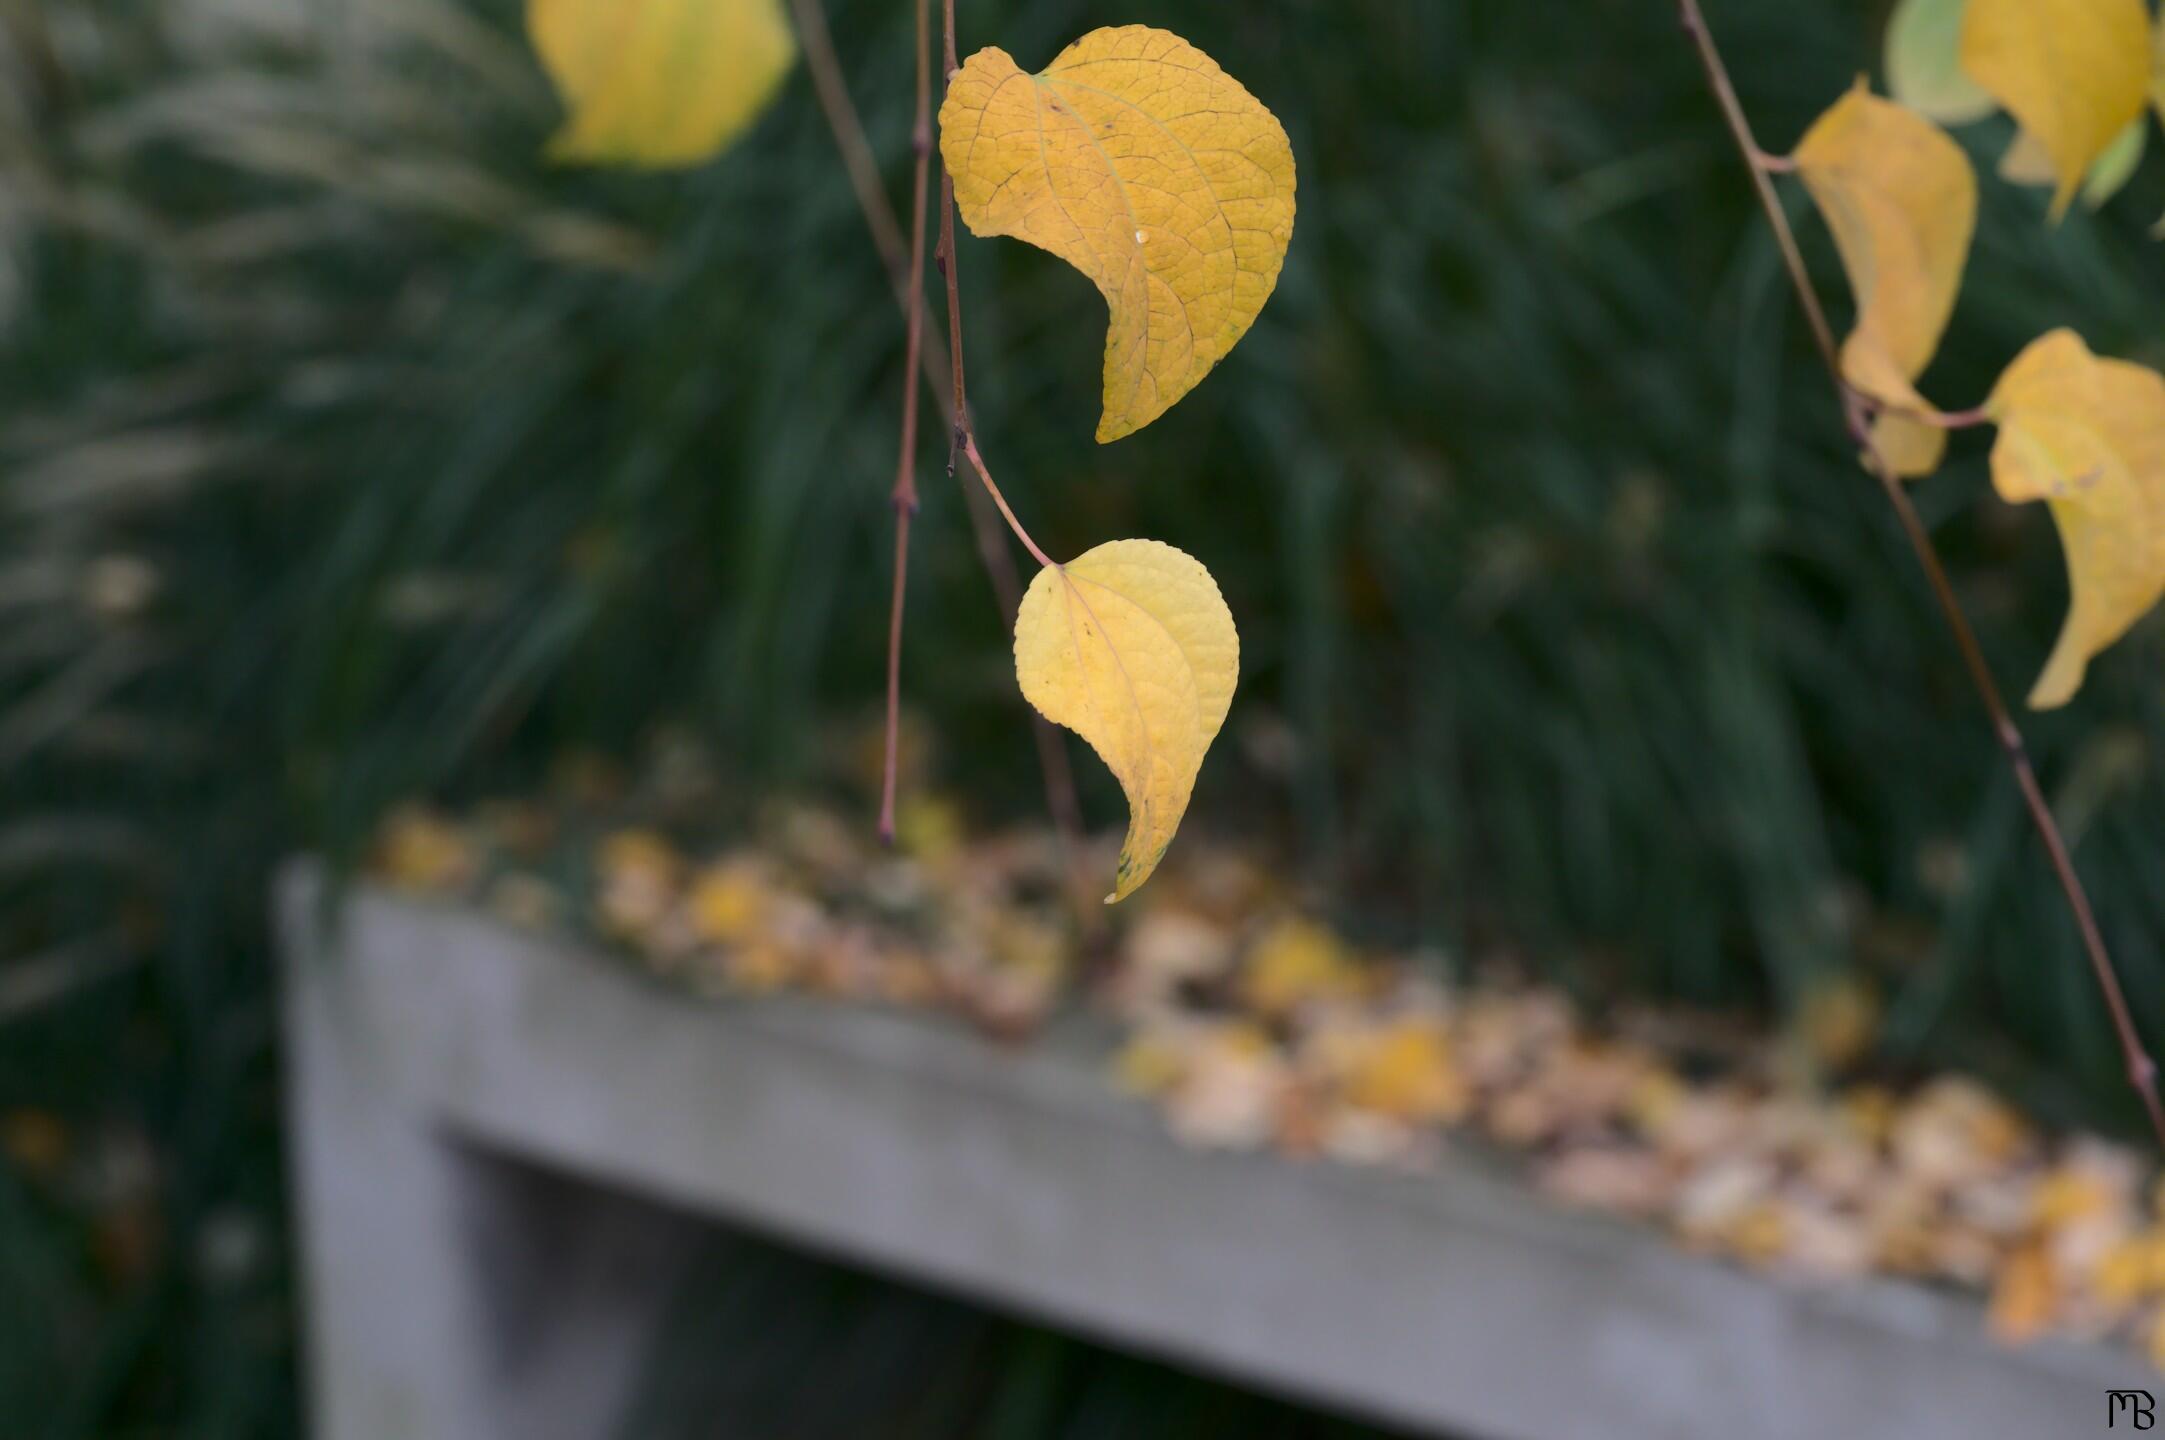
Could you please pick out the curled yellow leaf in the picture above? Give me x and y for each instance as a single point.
(1134, 158)
(2072, 72)
(658, 82)
(2087, 436)
(1131, 647)
(1901, 199)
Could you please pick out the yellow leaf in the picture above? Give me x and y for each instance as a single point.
(1907, 445)
(2072, 72)
(2027, 162)
(1131, 647)
(1901, 200)
(1134, 158)
(2087, 436)
(1407, 1071)
(2118, 164)
(658, 82)
(2025, 1295)
(1838, 1020)
(420, 849)
(1296, 962)
(1149, 1064)
(728, 901)
(1924, 67)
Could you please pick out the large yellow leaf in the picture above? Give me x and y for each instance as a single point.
(1924, 66)
(1132, 648)
(659, 82)
(1901, 200)
(2087, 436)
(1134, 158)
(2073, 73)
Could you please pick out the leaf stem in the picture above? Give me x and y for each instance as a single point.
(1971, 419)
(964, 438)
(1953, 419)
(977, 462)
(2141, 1069)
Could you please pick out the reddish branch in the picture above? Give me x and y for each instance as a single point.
(1857, 415)
(904, 496)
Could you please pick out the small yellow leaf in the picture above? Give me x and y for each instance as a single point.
(2072, 72)
(1907, 445)
(1294, 963)
(1901, 200)
(2087, 436)
(1131, 647)
(2025, 1295)
(1406, 1070)
(2027, 162)
(1134, 158)
(1924, 66)
(420, 849)
(658, 82)
(2118, 164)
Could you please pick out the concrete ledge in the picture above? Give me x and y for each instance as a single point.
(1454, 1303)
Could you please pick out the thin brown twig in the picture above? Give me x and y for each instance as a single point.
(1052, 752)
(1951, 419)
(847, 128)
(945, 256)
(904, 497)
(942, 378)
(2141, 1069)
(850, 138)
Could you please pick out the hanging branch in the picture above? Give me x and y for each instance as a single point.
(1857, 416)
(904, 496)
(942, 376)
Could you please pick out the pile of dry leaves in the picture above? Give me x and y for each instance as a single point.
(1251, 1024)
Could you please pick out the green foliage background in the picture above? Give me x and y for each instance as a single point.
(347, 451)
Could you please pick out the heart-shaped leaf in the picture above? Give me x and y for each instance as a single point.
(2087, 436)
(1134, 158)
(659, 82)
(1131, 647)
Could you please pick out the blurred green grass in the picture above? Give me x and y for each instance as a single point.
(347, 451)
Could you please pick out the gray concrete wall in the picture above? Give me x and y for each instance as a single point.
(1455, 1303)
